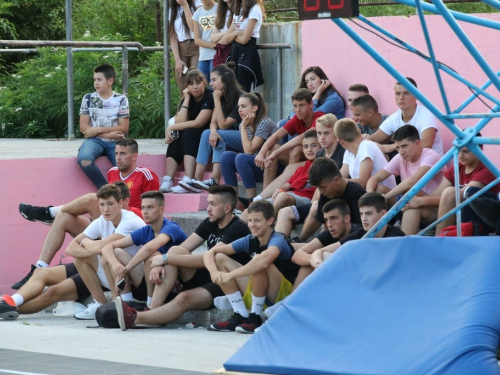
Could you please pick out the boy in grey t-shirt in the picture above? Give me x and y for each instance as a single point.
(104, 118)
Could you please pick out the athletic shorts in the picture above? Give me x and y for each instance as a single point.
(299, 200)
(285, 290)
(200, 278)
(301, 211)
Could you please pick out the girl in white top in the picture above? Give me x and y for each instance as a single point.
(223, 20)
(185, 51)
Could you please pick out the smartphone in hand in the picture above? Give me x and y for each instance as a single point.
(121, 284)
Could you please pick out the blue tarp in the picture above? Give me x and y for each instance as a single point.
(413, 305)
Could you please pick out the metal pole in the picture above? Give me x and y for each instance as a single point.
(69, 74)
(474, 95)
(125, 71)
(457, 192)
(280, 83)
(166, 62)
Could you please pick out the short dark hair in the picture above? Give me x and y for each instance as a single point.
(124, 190)
(108, 191)
(366, 102)
(412, 81)
(373, 199)
(107, 71)
(302, 94)
(129, 142)
(156, 195)
(337, 204)
(226, 192)
(311, 133)
(359, 87)
(323, 168)
(408, 132)
(263, 206)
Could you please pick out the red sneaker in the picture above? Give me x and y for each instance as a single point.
(126, 314)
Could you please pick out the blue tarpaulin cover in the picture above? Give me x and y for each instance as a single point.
(413, 305)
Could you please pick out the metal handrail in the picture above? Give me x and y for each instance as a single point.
(72, 43)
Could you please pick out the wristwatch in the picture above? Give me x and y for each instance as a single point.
(165, 258)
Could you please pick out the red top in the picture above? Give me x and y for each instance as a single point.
(139, 181)
(296, 126)
(480, 174)
(300, 179)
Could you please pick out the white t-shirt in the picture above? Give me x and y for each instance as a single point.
(422, 119)
(206, 22)
(103, 229)
(240, 23)
(182, 35)
(368, 149)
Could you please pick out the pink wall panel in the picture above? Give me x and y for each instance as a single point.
(345, 63)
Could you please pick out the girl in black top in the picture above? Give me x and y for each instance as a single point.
(183, 137)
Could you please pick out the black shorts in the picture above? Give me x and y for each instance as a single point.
(213, 289)
(301, 212)
(81, 288)
(141, 292)
(200, 278)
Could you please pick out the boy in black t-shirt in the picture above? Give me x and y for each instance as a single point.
(325, 175)
(221, 227)
(372, 207)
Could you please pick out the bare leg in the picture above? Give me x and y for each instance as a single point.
(200, 171)
(296, 155)
(136, 275)
(63, 291)
(281, 201)
(87, 268)
(285, 221)
(172, 167)
(63, 223)
(226, 264)
(251, 193)
(41, 278)
(86, 204)
(267, 283)
(271, 172)
(311, 225)
(303, 273)
(189, 165)
(280, 180)
(412, 219)
(194, 299)
(446, 204)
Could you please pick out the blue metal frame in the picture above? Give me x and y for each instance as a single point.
(464, 138)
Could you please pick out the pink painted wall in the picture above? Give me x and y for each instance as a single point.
(346, 63)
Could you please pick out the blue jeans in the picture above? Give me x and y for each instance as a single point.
(206, 67)
(231, 140)
(244, 165)
(89, 151)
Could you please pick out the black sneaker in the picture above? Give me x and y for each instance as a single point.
(487, 209)
(205, 184)
(35, 213)
(245, 202)
(253, 322)
(8, 309)
(19, 284)
(229, 325)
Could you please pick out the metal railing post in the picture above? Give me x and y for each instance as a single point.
(280, 83)
(69, 74)
(166, 62)
(125, 71)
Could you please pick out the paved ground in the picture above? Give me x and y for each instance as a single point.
(57, 148)
(166, 350)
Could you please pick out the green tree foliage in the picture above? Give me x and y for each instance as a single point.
(7, 28)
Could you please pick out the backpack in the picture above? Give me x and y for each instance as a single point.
(107, 317)
(468, 230)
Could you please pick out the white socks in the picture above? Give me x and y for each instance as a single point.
(41, 264)
(55, 210)
(127, 296)
(148, 302)
(258, 304)
(18, 299)
(257, 198)
(236, 301)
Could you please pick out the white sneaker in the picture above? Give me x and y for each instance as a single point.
(190, 185)
(166, 184)
(89, 313)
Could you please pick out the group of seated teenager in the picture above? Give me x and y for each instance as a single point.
(339, 176)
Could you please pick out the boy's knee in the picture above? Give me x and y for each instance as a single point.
(220, 259)
(286, 214)
(85, 163)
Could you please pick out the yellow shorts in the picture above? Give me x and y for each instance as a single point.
(285, 290)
